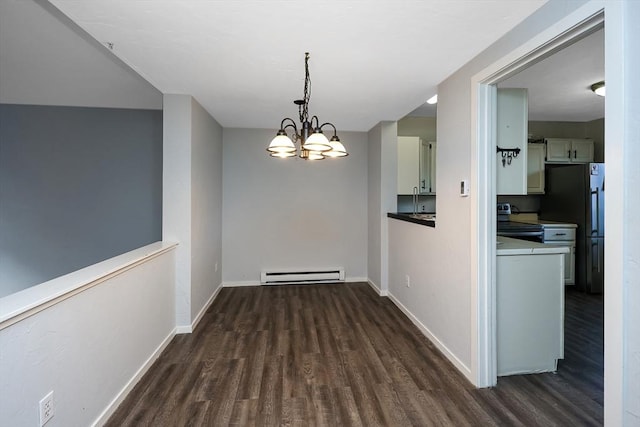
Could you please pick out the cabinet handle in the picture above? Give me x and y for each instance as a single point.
(575, 154)
(561, 234)
(569, 154)
(423, 184)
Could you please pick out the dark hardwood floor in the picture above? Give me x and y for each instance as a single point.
(339, 355)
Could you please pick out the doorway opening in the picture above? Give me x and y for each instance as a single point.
(487, 196)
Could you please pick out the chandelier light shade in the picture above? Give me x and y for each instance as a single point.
(313, 144)
(598, 88)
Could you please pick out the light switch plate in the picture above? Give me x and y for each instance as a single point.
(464, 188)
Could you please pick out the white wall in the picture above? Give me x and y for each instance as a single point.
(382, 185)
(46, 59)
(289, 213)
(87, 348)
(176, 195)
(622, 214)
(206, 208)
(191, 204)
(419, 252)
(374, 214)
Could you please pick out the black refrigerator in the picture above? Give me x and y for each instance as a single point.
(575, 194)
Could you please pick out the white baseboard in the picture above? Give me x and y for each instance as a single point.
(187, 329)
(254, 283)
(427, 333)
(239, 284)
(205, 308)
(183, 329)
(376, 288)
(113, 405)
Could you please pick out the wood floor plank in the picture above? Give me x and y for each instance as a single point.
(325, 355)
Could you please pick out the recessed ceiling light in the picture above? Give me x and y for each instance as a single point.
(433, 99)
(598, 88)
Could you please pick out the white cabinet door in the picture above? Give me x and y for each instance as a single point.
(535, 169)
(432, 165)
(570, 270)
(427, 167)
(408, 164)
(582, 150)
(569, 261)
(512, 115)
(558, 150)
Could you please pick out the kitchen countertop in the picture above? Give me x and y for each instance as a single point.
(547, 223)
(428, 219)
(509, 246)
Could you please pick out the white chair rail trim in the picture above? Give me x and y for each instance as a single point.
(26, 303)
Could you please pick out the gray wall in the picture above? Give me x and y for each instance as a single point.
(206, 208)
(424, 127)
(292, 213)
(77, 186)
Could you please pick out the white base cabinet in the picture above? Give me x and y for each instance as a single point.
(529, 308)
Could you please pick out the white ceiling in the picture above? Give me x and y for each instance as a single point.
(243, 61)
(559, 87)
(45, 59)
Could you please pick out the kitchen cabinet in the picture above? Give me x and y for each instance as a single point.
(535, 168)
(512, 125)
(562, 234)
(427, 167)
(569, 150)
(416, 165)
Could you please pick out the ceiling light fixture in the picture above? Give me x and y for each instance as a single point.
(433, 99)
(598, 88)
(313, 144)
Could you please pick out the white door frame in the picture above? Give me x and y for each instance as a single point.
(578, 24)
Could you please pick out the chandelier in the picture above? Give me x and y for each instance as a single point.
(313, 144)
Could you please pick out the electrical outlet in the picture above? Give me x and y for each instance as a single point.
(46, 408)
(408, 281)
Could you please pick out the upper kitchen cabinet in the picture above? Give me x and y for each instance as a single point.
(427, 167)
(408, 164)
(511, 138)
(535, 168)
(569, 150)
(416, 165)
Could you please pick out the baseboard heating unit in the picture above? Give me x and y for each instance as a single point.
(290, 277)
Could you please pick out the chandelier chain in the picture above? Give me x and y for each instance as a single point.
(304, 108)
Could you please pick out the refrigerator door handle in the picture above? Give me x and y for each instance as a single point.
(595, 213)
(595, 256)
